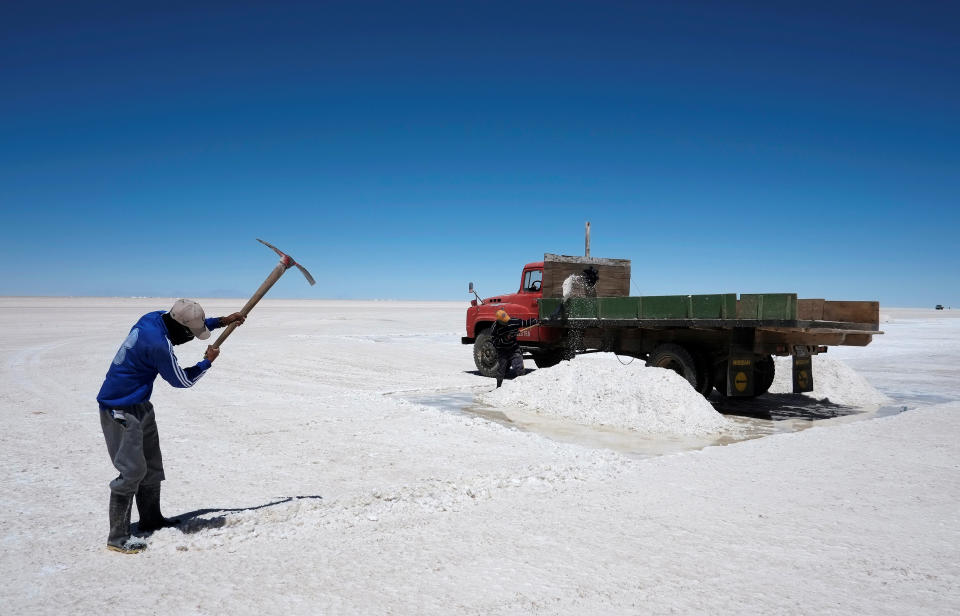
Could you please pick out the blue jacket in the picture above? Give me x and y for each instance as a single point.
(146, 352)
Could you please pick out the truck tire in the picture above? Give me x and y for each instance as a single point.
(485, 355)
(704, 377)
(763, 372)
(675, 357)
(720, 378)
(548, 358)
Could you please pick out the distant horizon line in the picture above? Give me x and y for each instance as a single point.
(315, 299)
(200, 297)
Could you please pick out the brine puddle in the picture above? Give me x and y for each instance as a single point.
(750, 419)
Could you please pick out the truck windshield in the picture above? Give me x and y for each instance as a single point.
(532, 280)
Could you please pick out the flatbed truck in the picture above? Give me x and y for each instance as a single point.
(723, 342)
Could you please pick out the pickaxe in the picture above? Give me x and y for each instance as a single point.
(286, 262)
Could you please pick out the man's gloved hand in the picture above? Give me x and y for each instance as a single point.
(211, 354)
(236, 317)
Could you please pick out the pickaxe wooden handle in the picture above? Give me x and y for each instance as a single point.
(286, 262)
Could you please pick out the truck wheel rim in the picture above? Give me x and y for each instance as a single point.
(488, 355)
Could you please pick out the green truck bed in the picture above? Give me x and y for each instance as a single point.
(715, 311)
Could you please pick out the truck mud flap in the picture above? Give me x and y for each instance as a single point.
(740, 376)
(802, 373)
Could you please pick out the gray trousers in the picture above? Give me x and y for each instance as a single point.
(510, 362)
(134, 447)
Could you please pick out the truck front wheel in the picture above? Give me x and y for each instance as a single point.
(485, 355)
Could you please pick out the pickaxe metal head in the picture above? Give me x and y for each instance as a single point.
(288, 261)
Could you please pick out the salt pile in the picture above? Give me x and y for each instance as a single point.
(597, 390)
(832, 380)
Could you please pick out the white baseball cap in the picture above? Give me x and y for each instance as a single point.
(188, 313)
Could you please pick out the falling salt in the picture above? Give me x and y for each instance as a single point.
(574, 286)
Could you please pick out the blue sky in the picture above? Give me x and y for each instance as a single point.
(400, 150)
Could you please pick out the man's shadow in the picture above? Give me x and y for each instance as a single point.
(191, 522)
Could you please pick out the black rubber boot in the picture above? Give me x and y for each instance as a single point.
(148, 504)
(119, 539)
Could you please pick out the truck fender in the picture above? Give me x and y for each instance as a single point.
(487, 317)
(514, 310)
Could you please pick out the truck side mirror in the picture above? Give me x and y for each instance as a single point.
(471, 290)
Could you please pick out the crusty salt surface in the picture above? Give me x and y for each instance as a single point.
(598, 390)
(832, 380)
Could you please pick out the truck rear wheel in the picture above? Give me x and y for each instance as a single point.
(485, 355)
(763, 372)
(675, 357)
(704, 376)
(548, 358)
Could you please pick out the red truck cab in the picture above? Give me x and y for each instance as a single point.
(520, 305)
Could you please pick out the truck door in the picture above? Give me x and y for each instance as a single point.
(530, 292)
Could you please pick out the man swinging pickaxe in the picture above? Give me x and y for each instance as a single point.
(127, 417)
(286, 262)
